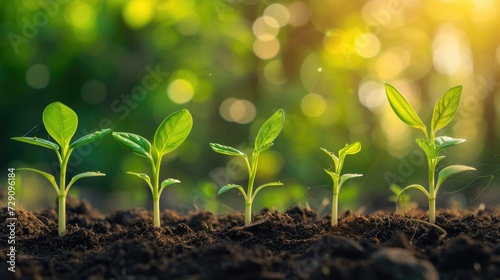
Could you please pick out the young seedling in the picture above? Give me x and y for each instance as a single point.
(403, 201)
(61, 123)
(335, 173)
(174, 129)
(444, 111)
(265, 137)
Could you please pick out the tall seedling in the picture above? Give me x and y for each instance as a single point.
(267, 134)
(61, 123)
(171, 133)
(444, 111)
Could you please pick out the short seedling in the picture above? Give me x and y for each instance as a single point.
(267, 134)
(174, 129)
(61, 123)
(335, 173)
(444, 111)
(403, 201)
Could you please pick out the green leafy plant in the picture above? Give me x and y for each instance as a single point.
(264, 140)
(171, 133)
(444, 111)
(61, 123)
(403, 201)
(336, 174)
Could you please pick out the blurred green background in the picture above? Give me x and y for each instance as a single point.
(127, 64)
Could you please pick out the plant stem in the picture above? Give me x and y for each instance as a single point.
(156, 196)
(335, 204)
(62, 214)
(61, 196)
(432, 194)
(248, 212)
(251, 180)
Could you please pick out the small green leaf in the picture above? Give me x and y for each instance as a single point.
(335, 176)
(227, 188)
(89, 138)
(346, 177)
(38, 141)
(270, 131)
(443, 142)
(428, 150)
(403, 109)
(60, 122)
(174, 129)
(143, 176)
(169, 182)
(226, 150)
(49, 177)
(83, 175)
(332, 155)
(350, 149)
(446, 172)
(134, 143)
(446, 108)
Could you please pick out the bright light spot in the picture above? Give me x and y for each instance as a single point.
(275, 73)
(189, 25)
(371, 94)
(270, 163)
(279, 13)
(180, 91)
(451, 54)
(320, 69)
(266, 49)
(484, 11)
(138, 13)
(93, 92)
(38, 76)
(265, 28)
(367, 45)
(313, 105)
(237, 110)
(81, 15)
(299, 13)
(390, 64)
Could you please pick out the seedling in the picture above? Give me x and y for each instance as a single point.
(444, 111)
(403, 201)
(61, 123)
(174, 129)
(335, 173)
(265, 137)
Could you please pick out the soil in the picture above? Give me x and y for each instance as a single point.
(297, 244)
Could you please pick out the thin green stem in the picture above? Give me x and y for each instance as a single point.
(61, 196)
(248, 212)
(335, 203)
(251, 180)
(432, 194)
(156, 196)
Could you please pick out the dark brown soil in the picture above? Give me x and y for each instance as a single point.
(296, 244)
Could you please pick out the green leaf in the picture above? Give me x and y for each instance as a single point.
(230, 187)
(49, 177)
(60, 122)
(446, 108)
(403, 109)
(89, 138)
(269, 131)
(143, 176)
(429, 151)
(226, 150)
(332, 155)
(443, 142)
(168, 182)
(335, 176)
(174, 129)
(346, 177)
(134, 143)
(448, 171)
(83, 175)
(37, 141)
(351, 149)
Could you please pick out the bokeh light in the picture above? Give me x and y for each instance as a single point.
(180, 91)
(38, 76)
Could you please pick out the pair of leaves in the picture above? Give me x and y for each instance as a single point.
(170, 134)
(349, 149)
(240, 188)
(444, 110)
(440, 143)
(163, 185)
(264, 140)
(341, 179)
(61, 123)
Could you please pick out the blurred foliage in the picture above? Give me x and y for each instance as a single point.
(126, 64)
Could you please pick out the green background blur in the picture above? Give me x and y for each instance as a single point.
(127, 64)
